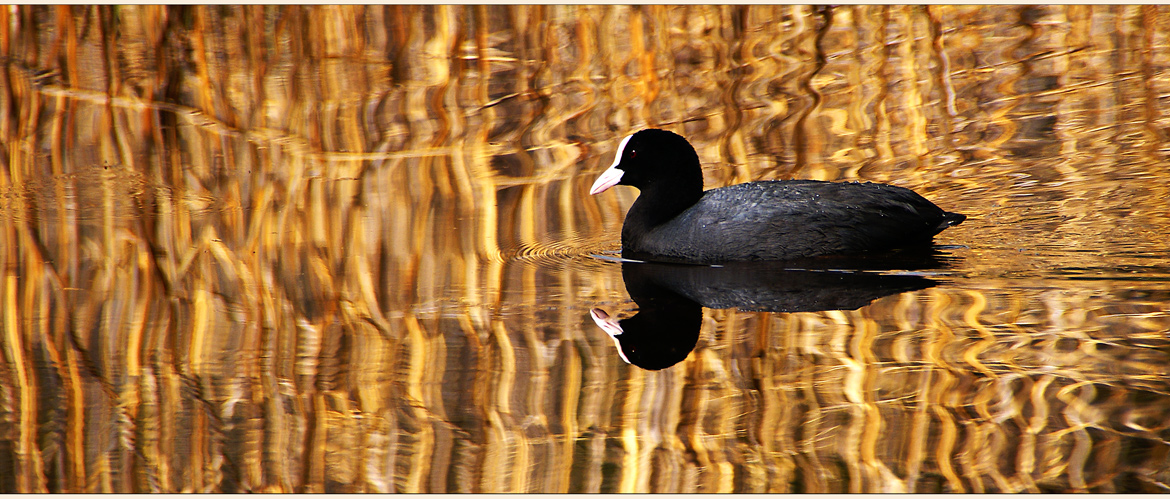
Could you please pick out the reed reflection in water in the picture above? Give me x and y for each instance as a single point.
(346, 249)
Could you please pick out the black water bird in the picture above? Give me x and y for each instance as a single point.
(674, 219)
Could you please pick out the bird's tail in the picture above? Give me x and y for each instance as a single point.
(950, 219)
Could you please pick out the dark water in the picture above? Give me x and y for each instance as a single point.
(350, 249)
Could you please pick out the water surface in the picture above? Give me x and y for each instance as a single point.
(351, 249)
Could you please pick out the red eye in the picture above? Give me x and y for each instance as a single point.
(633, 154)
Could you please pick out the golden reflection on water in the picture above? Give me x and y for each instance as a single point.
(346, 249)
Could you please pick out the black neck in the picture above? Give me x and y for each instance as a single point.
(656, 205)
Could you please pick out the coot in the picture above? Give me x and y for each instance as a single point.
(674, 219)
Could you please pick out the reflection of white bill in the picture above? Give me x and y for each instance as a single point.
(611, 327)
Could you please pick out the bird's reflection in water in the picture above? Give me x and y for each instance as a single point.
(671, 297)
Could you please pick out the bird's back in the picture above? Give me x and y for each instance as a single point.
(783, 220)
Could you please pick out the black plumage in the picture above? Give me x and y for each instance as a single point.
(674, 219)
